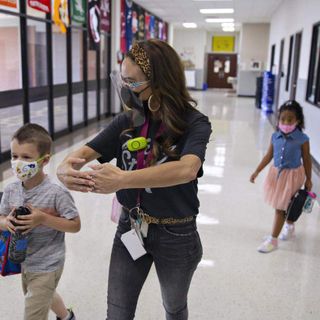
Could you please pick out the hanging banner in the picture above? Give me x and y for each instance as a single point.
(40, 5)
(147, 25)
(9, 3)
(128, 13)
(94, 24)
(160, 35)
(151, 27)
(78, 11)
(141, 24)
(134, 25)
(165, 32)
(138, 24)
(156, 28)
(61, 14)
(105, 16)
(123, 46)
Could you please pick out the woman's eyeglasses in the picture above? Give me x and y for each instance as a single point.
(133, 84)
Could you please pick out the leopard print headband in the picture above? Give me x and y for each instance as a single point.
(141, 58)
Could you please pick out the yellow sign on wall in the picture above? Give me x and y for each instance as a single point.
(223, 44)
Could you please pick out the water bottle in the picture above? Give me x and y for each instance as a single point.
(19, 242)
(308, 205)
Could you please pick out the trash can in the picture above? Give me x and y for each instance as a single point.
(258, 99)
(267, 92)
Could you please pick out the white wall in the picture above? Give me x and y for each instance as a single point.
(254, 41)
(293, 16)
(192, 44)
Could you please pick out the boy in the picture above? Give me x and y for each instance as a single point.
(53, 213)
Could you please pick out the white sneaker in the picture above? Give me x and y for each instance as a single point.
(270, 244)
(287, 232)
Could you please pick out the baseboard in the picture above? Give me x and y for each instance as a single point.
(245, 96)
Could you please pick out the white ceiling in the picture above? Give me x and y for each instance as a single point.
(179, 11)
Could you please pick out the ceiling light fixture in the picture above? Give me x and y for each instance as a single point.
(227, 24)
(219, 20)
(228, 29)
(191, 25)
(217, 11)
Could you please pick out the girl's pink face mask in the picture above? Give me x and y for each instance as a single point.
(287, 128)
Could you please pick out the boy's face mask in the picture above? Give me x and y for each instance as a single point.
(25, 170)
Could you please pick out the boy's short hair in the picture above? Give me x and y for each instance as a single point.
(34, 133)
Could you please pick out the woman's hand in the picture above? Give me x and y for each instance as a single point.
(28, 222)
(308, 184)
(106, 177)
(74, 179)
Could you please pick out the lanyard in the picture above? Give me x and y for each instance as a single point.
(140, 153)
(141, 161)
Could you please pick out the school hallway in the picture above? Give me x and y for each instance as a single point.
(233, 280)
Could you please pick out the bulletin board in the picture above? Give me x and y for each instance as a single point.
(223, 44)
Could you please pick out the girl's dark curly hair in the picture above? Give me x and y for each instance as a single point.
(293, 106)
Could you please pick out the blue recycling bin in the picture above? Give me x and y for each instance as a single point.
(267, 92)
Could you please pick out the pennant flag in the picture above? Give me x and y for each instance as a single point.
(105, 16)
(123, 40)
(94, 24)
(9, 3)
(61, 14)
(128, 15)
(78, 11)
(40, 5)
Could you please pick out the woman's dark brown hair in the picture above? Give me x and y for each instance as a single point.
(168, 85)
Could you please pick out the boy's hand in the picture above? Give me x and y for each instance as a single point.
(253, 177)
(8, 222)
(30, 221)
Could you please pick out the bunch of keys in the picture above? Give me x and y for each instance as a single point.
(138, 223)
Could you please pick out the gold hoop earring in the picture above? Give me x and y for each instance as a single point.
(149, 105)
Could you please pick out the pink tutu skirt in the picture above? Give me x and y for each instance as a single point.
(278, 190)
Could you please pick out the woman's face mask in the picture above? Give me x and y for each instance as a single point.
(25, 170)
(130, 98)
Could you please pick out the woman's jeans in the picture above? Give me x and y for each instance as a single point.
(175, 250)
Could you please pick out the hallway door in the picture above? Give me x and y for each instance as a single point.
(220, 67)
(296, 61)
(279, 76)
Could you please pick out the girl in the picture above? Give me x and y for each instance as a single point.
(287, 175)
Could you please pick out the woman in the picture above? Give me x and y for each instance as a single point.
(155, 179)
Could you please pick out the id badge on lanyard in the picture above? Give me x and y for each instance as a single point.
(137, 222)
(133, 239)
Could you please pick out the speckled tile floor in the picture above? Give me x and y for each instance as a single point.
(233, 281)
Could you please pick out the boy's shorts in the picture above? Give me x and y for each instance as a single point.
(38, 289)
